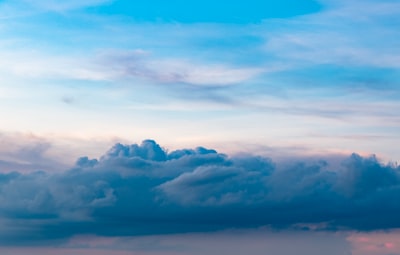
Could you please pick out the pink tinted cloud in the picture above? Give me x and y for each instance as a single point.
(375, 243)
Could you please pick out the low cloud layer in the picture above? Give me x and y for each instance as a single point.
(145, 189)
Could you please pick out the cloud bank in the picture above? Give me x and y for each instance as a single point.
(143, 189)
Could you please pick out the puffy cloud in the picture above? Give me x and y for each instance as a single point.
(144, 189)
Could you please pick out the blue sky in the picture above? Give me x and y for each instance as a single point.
(291, 82)
(315, 75)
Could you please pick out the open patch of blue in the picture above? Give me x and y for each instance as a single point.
(249, 11)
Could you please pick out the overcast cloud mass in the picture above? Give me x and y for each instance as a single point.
(143, 189)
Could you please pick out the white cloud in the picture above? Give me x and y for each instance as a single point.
(136, 64)
(40, 65)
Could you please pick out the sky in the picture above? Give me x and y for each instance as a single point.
(169, 127)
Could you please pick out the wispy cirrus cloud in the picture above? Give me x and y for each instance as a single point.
(138, 64)
(345, 33)
(125, 66)
(329, 38)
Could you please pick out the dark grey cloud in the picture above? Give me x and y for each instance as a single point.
(144, 189)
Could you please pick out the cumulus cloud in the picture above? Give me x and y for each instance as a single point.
(143, 189)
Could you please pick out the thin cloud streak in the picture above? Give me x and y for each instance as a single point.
(339, 36)
(138, 64)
